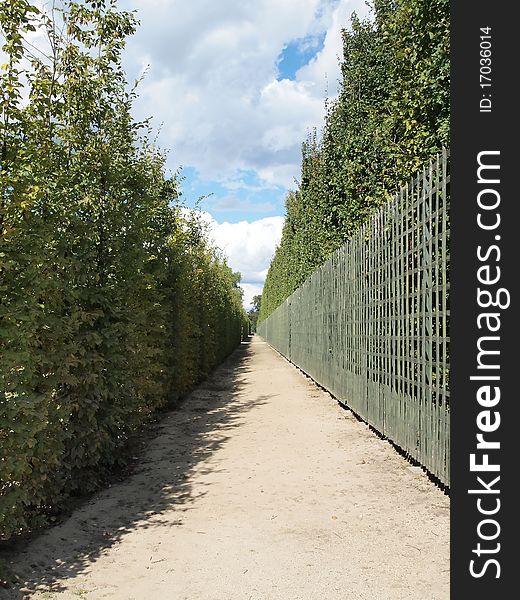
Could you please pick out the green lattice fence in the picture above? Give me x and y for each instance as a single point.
(371, 324)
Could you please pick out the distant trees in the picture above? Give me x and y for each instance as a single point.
(391, 116)
(254, 312)
(112, 302)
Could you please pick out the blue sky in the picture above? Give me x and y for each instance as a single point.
(245, 196)
(297, 53)
(233, 87)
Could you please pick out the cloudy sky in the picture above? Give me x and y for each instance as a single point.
(233, 87)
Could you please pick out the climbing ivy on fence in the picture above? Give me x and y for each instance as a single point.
(390, 117)
(112, 302)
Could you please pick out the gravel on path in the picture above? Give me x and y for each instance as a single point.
(258, 487)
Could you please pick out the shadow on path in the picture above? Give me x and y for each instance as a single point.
(186, 441)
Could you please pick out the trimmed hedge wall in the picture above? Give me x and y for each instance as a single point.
(112, 302)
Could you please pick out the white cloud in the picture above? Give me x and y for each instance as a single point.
(324, 69)
(237, 182)
(236, 204)
(212, 80)
(249, 246)
(250, 290)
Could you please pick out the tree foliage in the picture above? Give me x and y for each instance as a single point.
(390, 117)
(112, 302)
(254, 311)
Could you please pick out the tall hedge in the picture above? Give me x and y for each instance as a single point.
(390, 117)
(112, 302)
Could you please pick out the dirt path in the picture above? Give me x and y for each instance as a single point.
(260, 487)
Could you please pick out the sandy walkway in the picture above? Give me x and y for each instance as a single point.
(260, 487)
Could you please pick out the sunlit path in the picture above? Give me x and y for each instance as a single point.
(260, 487)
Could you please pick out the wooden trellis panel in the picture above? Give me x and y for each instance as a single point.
(371, 324)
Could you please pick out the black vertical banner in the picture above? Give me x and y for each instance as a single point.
(485, 240)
